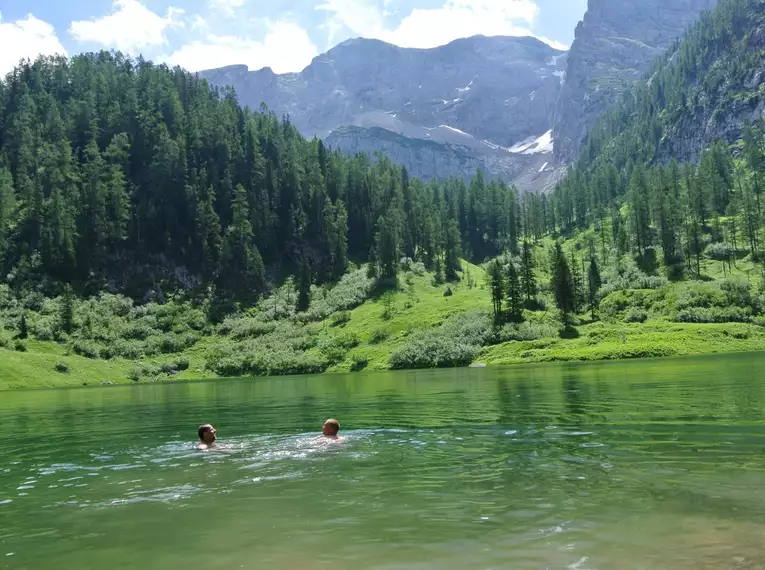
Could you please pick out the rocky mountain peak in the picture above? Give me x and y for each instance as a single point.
(614, 46)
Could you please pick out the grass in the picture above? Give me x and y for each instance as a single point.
(418, 305)
(601, 341)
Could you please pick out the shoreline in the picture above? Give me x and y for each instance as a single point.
(596, 342)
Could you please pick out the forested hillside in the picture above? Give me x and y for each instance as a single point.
(123, 175)
(149, 226)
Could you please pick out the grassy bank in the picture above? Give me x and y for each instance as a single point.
(422, 321)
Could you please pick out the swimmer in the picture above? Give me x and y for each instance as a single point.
(330, 429)
(207, 437)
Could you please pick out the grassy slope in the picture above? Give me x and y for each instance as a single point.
(419, 306)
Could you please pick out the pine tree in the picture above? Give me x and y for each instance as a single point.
(386, 245)
(452, 251)
(304, 294)
(594, 283)
(528, 278)
(497, 288)
(66, 317)
(514, 296)
(562, 285)
(577, 284)
(23, 329)
(754, 151)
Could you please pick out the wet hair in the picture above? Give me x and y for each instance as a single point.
(333, 423)
(203, 429)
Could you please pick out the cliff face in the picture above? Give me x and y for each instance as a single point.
(614, 46)
(485, 95)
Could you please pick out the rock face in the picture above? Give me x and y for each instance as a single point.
(479, 102)
(614, 47)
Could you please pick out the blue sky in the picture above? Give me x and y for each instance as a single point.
(282, 34)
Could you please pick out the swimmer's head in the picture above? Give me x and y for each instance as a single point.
(330, 427)
(207, 434)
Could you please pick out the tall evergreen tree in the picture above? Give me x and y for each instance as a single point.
(304, 293)
(562, 285)
(594, 283)
(496, 280)
(528, 276)
(513, 296)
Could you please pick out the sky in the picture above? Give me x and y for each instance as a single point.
(282, 34)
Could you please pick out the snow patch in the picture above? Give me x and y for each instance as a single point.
(543, 167)
(466, 88)
(454, 130)
(562, 75)
(541, 145)
(554, 59)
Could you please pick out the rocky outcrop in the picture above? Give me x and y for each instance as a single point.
(615, 44)
(472, 99)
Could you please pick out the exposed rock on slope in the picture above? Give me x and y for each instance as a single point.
(615, 44)
(483, 95)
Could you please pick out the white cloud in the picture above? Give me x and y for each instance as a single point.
(285, 48)
(226, 6)
(131, 26)
(26, 39)
(427, 28)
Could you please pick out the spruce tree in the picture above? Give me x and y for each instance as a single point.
(452, 251)
(66, 316)
(528, 278)
(497, 288)
(23, 328)
(562, 285)
(304, 294)
(594, 283)
(514, 296)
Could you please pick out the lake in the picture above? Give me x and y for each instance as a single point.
(623, 465)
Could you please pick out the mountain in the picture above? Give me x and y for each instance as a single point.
(615, 44)
(706, 88)
(481, 101)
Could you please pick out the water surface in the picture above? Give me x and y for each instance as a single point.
(636, 465)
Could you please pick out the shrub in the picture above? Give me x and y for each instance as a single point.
(526, 331)
(336, 348)
(448, 292)
(714, 315)
(636, 316)
(358, 363)
(341, 318)
(379, 335)
(723, 251)
(61, 367)
(20, 346)
(34, 301)
(86, 348)
(629, 277)
(455, 343)
(44, 328)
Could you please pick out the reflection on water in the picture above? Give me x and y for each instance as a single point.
(642, 465)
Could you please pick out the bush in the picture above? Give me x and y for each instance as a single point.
(379, 335)
(44, 328)
(714, 315)
(448, 292)
(455, 343)
(723, 251)
(358, 363)
(629, 277)
(340, 319)
(636, 316)
(86, 348)
(62, 367)
(20, 346)
(526, 331)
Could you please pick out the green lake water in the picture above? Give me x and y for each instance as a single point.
(625, 465)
